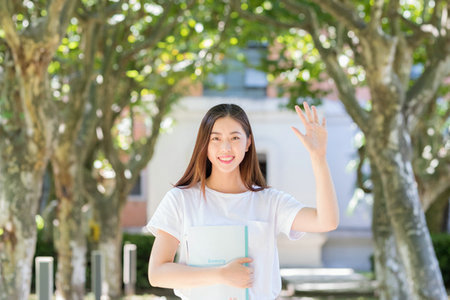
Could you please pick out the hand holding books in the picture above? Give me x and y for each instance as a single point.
(235, 273)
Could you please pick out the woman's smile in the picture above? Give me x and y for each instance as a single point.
(227, 159)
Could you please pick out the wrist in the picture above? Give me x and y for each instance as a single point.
(318, 157)
(218, 274)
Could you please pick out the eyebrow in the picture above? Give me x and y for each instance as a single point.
(233, 132)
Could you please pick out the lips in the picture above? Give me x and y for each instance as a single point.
(226, 159)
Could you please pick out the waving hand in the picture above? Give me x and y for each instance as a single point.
(315, 138)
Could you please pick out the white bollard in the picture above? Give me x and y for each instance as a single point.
(96, 274)
(44, 277)
(129, 268)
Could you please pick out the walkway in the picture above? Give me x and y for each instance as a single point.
(326, 282)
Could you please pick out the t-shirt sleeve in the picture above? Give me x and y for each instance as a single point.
(168, 216)
(287, 209)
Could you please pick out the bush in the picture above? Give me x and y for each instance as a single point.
(441, 243)
(144, 243)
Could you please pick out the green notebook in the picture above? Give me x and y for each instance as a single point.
(209, 246)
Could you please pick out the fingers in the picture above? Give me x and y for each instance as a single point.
(300, 135)
(300, 114)
(315, 116)
(244, 260)
(308, 112)
(312, 115)
(249, 284)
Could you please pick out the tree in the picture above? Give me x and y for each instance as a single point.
(119, 62)
(103, 81)
(29, 38)
(375, 44)
(151, 76)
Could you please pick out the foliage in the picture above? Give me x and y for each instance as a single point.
(296, 30)
(144, 245)
(441, 243)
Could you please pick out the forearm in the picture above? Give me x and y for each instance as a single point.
(174, 275)
(326, 200)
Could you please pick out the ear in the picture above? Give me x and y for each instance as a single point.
(249, 142)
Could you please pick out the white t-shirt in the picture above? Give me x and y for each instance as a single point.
(266, 213)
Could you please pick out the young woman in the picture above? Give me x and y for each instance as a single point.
(223, 185)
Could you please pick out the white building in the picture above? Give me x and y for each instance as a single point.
(288, 168)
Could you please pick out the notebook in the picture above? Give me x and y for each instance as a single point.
(209, 246)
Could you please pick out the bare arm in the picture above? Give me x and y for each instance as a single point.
(163, 272)
(326, 216)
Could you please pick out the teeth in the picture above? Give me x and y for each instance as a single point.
(226, 158)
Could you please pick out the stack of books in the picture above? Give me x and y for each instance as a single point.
(212, 246)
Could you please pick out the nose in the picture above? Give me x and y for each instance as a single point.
(226, 145)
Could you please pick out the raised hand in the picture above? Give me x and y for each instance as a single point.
(236, 274)
(315, 138)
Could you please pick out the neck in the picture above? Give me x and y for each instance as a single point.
(226, 182)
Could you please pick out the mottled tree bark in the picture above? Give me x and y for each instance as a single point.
(389, 270)
(69, 235)
(407, 217)
(26, 139)
(107, 212)
(20, 189)
(71, 146)
(108, 208)
(386, 60)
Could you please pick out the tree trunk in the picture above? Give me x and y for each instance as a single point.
(108, 211)
(70, 238)
(25, 141)
(24, 154)
(389, 270)
(390, 153)
(20, 189)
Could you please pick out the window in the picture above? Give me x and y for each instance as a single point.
(240, 79)
(137, 189)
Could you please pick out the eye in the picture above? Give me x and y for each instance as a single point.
(234, 138)
(214, 138)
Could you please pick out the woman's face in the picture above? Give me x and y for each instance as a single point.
(227, 145)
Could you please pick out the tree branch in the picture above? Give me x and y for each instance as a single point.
(236, 5)
(297, 7)
(420, 32)
(6, 22)
(95, 16)
(344, 13)
(65, 16)
(393, 16)
(376, 12)
(146, 151)
(346, 90)
(53, 20)
(424, 89)
(435, 16)
(157, 33)
(435, 188)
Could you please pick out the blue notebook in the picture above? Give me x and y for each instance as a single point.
(209, 246)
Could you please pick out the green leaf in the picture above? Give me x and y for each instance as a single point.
(132, 73)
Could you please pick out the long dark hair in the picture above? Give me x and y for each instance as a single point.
(200, 167)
